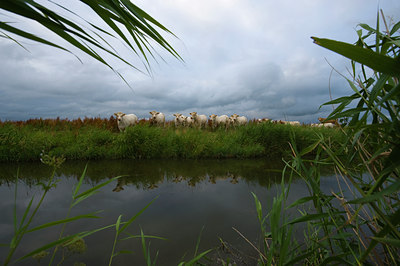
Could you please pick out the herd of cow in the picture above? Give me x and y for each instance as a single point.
(201, 121)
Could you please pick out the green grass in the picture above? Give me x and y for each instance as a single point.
(76, 141)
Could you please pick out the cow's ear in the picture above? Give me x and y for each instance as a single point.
(150, 113)
(115, 114)
(123, 115)
(157, 113)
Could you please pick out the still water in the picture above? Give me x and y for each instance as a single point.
(205, 198)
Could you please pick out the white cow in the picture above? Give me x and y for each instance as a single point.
(328, 125)
(231, 120)
(125, 120)
(220, 120)
(263, 120)
(238, 120)
(157, 118)
(189, 122)
(199, 120)
(179, 120)
(293, 123)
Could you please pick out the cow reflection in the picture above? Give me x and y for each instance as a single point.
(191, 181)
(234, 179)
(121, 182)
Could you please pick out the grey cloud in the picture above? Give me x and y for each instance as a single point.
(257, 60)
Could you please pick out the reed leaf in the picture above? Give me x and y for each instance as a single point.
(388, 240)
(117, 224)
(78, 186)
(337, 260)
(310, 217)
(196, 259)
(146, 236)
(86, 194)
(63, 221)
(310, 148)
(49, 246)
(15, 203)
(393, 188)
(301, 201)
(111, 12)
(7, 27)
(364, 56)
(133, 218)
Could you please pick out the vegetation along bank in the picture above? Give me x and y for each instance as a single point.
(97, 138)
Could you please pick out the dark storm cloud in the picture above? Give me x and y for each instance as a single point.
(252, 59)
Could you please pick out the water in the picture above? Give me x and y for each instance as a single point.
(192, 198)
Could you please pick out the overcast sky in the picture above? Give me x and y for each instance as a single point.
(253, 58)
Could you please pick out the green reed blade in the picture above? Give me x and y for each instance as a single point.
(27, 209)
(196, 259)
(310, 217)
(393, 188)
(388, 240)
(48, 246)
(117, 224)
(364, 56)
(301, 201)
(63, 221)
(86, 194)
(146, 236)
(135, 216)
(78, 186)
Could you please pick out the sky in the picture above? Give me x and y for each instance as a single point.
(252, 58)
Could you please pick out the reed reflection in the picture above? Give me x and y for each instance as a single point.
(149, 174)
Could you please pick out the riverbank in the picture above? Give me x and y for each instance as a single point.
(97, 138)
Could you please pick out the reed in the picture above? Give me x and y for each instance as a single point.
(357, 223)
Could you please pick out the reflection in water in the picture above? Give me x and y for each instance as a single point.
(192, 194)
(147, 174)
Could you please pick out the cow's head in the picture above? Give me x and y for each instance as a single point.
(119, 115)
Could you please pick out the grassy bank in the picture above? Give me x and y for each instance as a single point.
(99, 139)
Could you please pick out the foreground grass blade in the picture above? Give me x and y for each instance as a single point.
(364, 56)
(196, 259)
(86, 194)
(112, 12)
(78, 186)
(130, 236)
(135, 216)
(63, 221)
(49, 246)
(388, 240)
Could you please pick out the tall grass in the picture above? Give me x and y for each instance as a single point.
(359, 222)
(99, 139)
